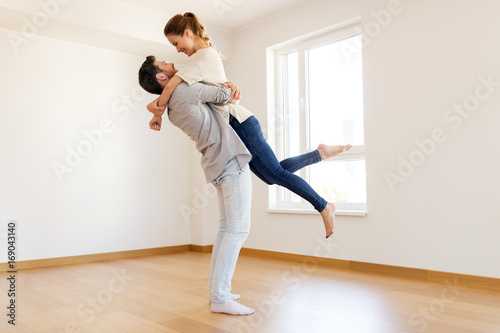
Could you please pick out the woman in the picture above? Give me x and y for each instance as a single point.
(188, 35)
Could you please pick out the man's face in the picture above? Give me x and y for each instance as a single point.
(167, 68)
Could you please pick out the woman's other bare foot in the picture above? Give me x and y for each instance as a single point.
(330, 151)
(328, 215)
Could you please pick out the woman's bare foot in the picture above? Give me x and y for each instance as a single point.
(328, 215)
(330, 151)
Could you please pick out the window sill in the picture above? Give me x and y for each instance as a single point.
(312, 211)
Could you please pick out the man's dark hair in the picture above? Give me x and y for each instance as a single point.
(147, 76)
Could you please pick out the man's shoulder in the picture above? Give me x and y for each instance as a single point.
(183, 87)
(185, 94)
(181, 91)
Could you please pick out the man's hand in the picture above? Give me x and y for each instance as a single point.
(155, 123)
(235, 91)
(155, 109)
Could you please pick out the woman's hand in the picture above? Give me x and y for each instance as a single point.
(235, 91)
(155, 123)
(155, 109)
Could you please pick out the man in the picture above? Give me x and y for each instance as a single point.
(225, 164)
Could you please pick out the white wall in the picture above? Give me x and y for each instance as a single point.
(125, 193)
(429, 56)
(65, 74)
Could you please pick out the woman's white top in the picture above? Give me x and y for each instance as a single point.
(205, 66)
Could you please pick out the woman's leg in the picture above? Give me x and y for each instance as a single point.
(293, 164)
(264, 161)
(323, 152)
(266, 166)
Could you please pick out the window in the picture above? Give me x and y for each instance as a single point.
(317, 97)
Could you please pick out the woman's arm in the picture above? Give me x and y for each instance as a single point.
(158, 106)
(169, 90)
(155, 109)
(235, 91)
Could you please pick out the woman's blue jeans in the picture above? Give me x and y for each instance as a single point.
(266, 166)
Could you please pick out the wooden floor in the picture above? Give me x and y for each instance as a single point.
(169, 293)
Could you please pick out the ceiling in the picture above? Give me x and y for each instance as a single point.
(136, 26)
(227, 15)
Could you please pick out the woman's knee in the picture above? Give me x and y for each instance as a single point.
(259, 175)
(266, 181)
(277, 177)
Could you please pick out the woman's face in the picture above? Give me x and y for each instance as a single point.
(183, 43)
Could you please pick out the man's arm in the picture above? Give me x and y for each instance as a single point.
(155, 123)
(214, 94)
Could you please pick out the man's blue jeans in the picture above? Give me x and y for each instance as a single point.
(234, 192)
(265, 165)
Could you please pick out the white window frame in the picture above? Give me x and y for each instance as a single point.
(335, 33)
